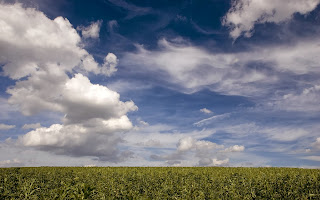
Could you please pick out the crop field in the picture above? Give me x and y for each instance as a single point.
(159, 183)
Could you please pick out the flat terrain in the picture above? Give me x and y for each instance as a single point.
(158, 183)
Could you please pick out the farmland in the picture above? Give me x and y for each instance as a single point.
(158, 183)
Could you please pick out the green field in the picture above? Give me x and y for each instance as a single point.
(158, 183)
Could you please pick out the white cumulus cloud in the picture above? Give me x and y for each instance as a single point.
(77, 140)
(110, 64)
(235, 148)
(186, 144)
(91, 31)
(217, 162)
(30, 41)
(92, 114)
(81, 101)
(41, 43)
(189, 143)
(207, 153)
(50, 65)
(244, 14)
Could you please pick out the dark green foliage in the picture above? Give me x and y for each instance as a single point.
(158, 183)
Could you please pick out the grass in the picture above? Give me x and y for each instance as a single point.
(158, 183)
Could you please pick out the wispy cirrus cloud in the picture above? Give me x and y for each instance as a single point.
(316, 144)
(304, 101)
(31, 126)
(132, 9)
(194, 68)
(210, 119)
(6, 126)
(257, 72)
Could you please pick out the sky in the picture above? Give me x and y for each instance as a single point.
(160, 83)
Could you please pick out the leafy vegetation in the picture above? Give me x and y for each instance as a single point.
(159, 183)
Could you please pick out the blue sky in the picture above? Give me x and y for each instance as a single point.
(160, 83)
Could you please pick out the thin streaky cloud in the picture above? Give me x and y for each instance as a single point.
(213, 118)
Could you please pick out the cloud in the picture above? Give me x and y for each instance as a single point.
(124, 86)
(316, 144)
(7, 110)
(78, 140)
(235, 148)
(6, 126)
(31, 126)
(190, 149)
(173, 156)
(96, 119)
(202, 30)
(167, 136)
(210, 119)
(174, 163)
(244, 14)
(205, 162)
(159, 142)
(76, 97)
(213, 162)
(205, 110)
(191, 68)
(150, 143)
(9, 150)
(304, 101)
(217, 162)
(298, 58)
(32, 44)
(81, 101)
(285, 133)
(29, 35)
(10, 163)
(90, 165)
(259, 72)
(181, 18)
(91, 31)
(92, 114)
(189, 143)
(241, 129)
(142, 123)
(46, 58)
(112, 24)
(164, 144)
(186, 144)
(238, 141)
(110, 64)
(313, 158)
(279, 133)
(132, 9)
